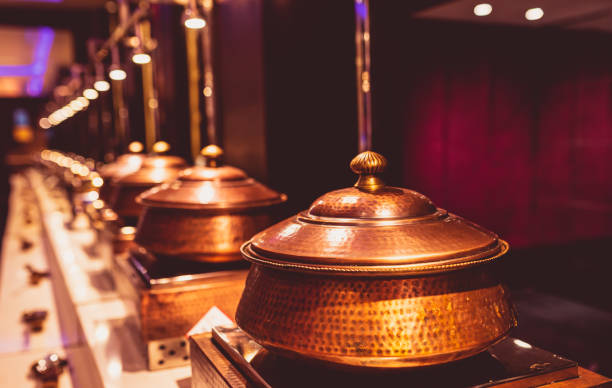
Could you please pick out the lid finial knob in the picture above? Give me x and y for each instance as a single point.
(161, 147)
(135, 147)
(369, 165)
(212, 154)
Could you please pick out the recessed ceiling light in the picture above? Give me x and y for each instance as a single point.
(483, 9)
(534, 14)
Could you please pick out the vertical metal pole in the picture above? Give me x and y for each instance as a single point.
(362, 61)
(193, 77)
(143, 30)
(209, 90)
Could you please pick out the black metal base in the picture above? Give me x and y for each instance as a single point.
(512, 362)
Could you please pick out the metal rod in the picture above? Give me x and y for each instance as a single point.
(123, 28)
(193, 77)
(119, 108)
(143, 31)
(362, 61)
(209, 91)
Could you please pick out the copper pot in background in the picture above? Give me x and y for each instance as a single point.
(207, 213)
(377, 277)
(155, 169)
(125, 164)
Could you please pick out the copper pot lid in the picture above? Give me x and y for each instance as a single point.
(154, 169)
(373, 229)
(124, 164)
(211, 187)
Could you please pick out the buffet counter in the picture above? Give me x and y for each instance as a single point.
(87, 321)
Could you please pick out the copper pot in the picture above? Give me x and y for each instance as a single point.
(375, 276)
(125, 164)
(155, 169)
(206, 214)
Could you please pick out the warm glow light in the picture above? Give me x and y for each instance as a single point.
(117, 74)
(522, 344)
(205, 193)
(76, 105)
(336, 237)
(207, 91)
(534, 14)
(102, 333)
(483, 9)
(91, 196)
(127, 230)
(98, 204)
(90, 94)
(67, 111)
(44, 123)
(97, 181)
(195, 23)
(161, 146)
(141, 58)
(135, 147)
(114, 368)
(101, 86)
(83, 101)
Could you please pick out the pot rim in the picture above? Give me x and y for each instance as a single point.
(234, 206)
(451, 264)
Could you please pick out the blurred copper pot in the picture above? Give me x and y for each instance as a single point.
(375, 276)
(155, 169)
(124, 164)
(207, 213)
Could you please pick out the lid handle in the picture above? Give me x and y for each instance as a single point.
(212, 154)
(135, 147)
(369, 165)
(161, 147)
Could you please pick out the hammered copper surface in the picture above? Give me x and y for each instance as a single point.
(198, 235)
(374, 229)
(207, 213)
(174, 311)
(375, 322)
(375, 276)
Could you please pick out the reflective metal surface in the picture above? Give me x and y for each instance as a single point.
(206, 214)
(154, 170)
(375, 276)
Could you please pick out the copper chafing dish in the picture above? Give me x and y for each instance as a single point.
(124, 164)
(207, 213)
(155, 169)
(375, 276)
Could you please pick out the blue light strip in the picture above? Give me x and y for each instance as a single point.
(36, 70)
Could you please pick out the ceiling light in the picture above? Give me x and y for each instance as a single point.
(141, 58)
(101, 86)
(195, 23)
(76, 105)
(534, 14)
(117, 74)
(67, 111)
(90, 94)
(83, 101)
(483, 9)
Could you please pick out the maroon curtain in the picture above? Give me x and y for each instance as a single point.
(511, 128)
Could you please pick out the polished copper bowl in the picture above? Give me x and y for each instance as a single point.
(207, 213)
(155, 169)
(375, 276)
